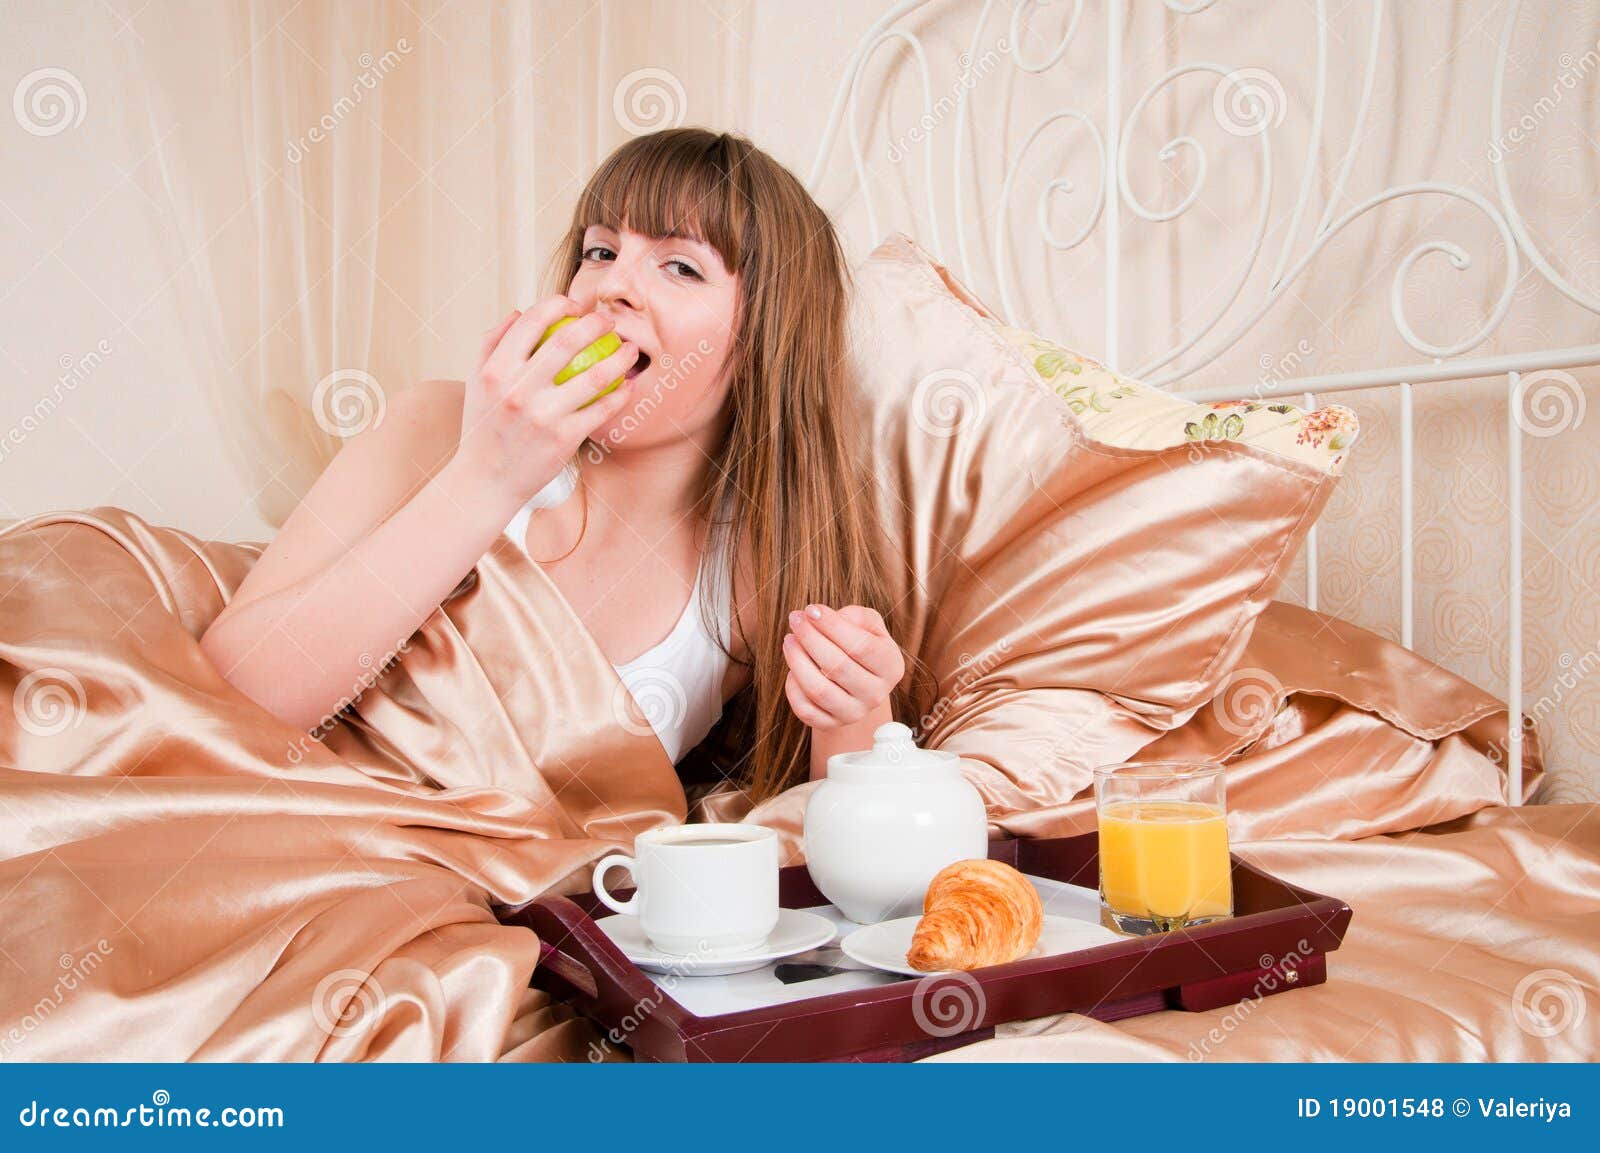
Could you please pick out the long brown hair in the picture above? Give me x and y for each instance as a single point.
(794, 463)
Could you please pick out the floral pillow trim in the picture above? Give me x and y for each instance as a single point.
(1124, 412)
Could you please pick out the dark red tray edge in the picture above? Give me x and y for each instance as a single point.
(580, 964)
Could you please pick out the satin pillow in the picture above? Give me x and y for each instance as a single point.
(1087, 554)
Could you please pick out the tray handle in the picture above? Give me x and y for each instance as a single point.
(569, 969)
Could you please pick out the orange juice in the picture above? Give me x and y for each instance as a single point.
(1166, 861)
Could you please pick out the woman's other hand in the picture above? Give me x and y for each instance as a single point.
(843, 665)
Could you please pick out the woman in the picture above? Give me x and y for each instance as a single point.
(727, 284)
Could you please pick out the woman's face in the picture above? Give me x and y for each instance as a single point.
(674, 299)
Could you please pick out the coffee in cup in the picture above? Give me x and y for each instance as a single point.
(702, 889)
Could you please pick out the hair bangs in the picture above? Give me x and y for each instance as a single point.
(668, 185)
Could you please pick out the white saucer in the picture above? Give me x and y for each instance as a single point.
(796, 931)
(884, 945)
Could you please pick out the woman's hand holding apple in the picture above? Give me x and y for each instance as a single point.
(518, 428)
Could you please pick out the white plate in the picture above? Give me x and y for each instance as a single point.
(796, 931)
(884, 945)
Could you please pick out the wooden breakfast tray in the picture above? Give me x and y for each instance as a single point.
(1257, 952)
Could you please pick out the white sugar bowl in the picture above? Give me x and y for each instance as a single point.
(885, 820)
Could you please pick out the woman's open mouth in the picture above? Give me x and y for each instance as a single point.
(638, 366)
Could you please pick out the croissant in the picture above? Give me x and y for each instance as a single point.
(975, 912)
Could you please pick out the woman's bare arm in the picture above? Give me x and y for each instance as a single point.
(406, 509)
(852, 738)
(351, 576)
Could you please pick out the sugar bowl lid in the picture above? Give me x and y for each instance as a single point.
(893, 756)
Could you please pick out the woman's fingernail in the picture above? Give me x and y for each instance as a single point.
(814, 612)
(788, 639)
(794, 620)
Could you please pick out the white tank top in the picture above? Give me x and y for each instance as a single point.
(677, 683)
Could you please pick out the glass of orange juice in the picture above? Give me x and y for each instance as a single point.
(1163, 845)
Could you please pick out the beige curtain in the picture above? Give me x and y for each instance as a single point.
(358, 188)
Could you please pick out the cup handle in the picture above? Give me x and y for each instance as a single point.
(616, 860)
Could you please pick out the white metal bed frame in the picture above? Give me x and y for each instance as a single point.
(1250, 103)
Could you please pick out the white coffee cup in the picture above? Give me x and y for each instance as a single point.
(703, 889)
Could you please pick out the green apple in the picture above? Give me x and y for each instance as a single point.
(594, 354)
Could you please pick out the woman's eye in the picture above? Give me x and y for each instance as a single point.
(688, 270)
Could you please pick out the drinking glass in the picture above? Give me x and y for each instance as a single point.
(1163, 845)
